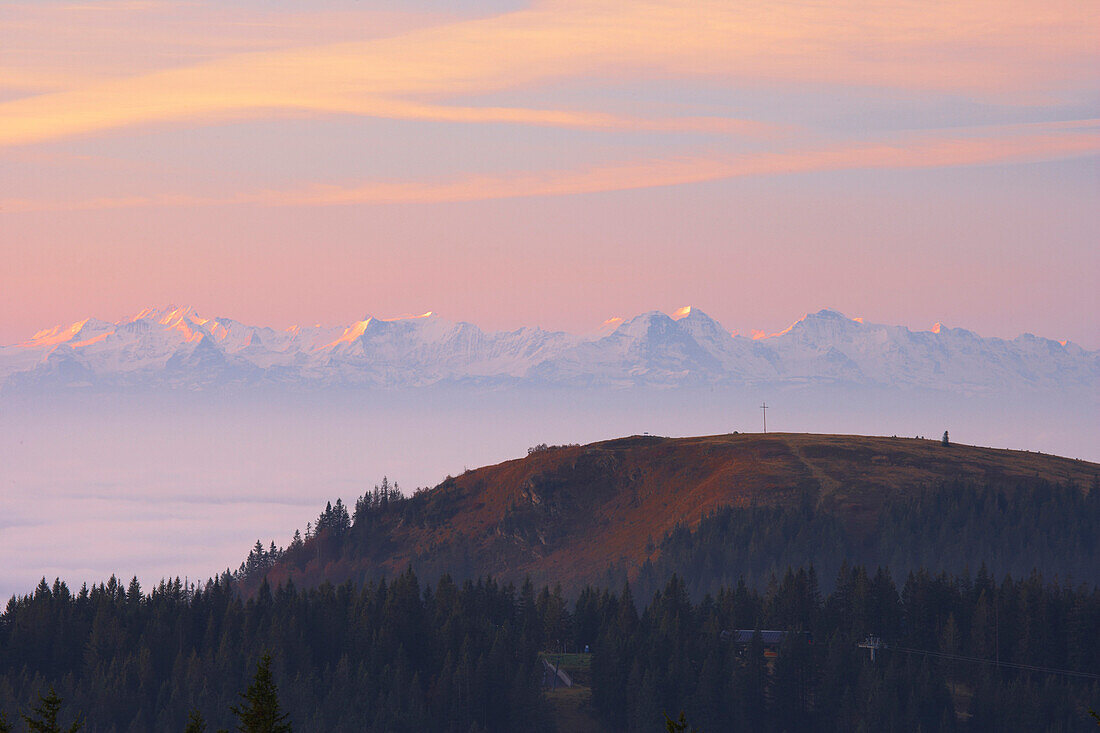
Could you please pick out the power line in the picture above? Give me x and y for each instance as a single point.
(991, 662)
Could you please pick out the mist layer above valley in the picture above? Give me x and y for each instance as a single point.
(182, 482)
(182, 439)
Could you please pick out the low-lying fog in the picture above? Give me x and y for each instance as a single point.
(184, 484)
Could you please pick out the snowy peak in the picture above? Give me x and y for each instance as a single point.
(681, 313)
(79, 333)
(825, 323)
(409, 317)
(700, 325)
(645, 325)
(827, 314)
(176, 347)
(52, 336)
(166, 316)
(691, 314)
(608, 327)
(350, 334)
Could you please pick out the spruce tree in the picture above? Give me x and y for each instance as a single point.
(680, 725)
(44, 717)
(261, 712)
(195, 723)
(5, 726)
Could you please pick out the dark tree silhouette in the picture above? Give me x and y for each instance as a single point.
(44, 717)
(680, 725)
(195, 723)
(260, 712)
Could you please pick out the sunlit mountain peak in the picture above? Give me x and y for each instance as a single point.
(416, 350)
(143, 314)
(351, 333)
(815, 325)
(167, 316)
(214, 328)
(174, 315)
(681, 313)
(608, 327)
(184, 328)
(758, 335)
(407, 317)
(53, 336)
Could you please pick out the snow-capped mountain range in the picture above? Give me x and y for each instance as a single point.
(175, 347)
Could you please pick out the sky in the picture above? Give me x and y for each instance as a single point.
(552, 163)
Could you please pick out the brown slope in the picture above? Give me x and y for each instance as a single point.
(567, 513)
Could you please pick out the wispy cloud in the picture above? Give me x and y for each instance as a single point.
(982, 47)
(52, 47)
(939, 150)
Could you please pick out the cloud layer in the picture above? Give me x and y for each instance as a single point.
(989, 48)
(134, 132)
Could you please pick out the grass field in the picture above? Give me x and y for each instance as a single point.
(570, 662)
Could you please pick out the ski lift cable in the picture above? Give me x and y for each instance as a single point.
(994, 662)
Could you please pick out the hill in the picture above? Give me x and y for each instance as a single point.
(720, 505)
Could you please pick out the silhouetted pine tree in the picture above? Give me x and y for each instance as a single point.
(44, 717)
(195, 723)
(261, 712)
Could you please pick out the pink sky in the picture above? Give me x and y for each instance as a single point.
(553, 163)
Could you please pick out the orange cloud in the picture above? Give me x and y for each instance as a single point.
(984, 47)
(939, 150)
(930, 152)
(64, 47)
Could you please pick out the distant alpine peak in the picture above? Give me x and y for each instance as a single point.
(691, 313)
(411, 317)
(609, 326)
(51, 336)
(351, 333)
(831, 315)
(176, 346)
(681, 313)
(166, 316)
(643, 321)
